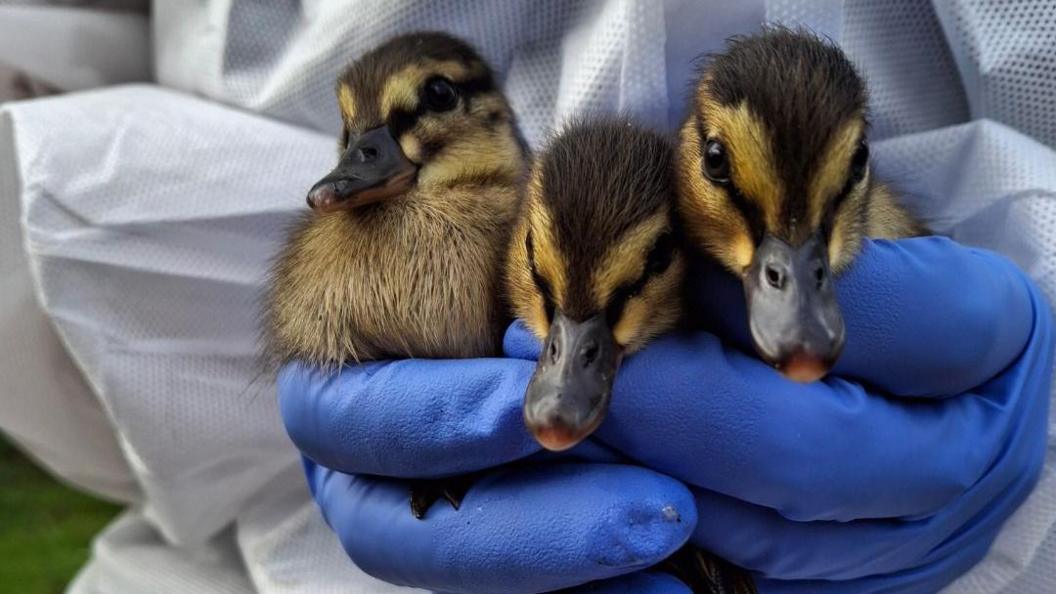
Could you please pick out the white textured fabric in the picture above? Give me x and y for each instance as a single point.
(150, 217)
(75, 48)
(149, 250)
(148, 253)
(986, 184)
(1005, 52)
(46, 407)
(555, 57)
(129, 556)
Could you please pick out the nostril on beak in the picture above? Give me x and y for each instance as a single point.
(589, 354)
(553, 352)
(819, 276)
(366, 154)
(342, 187)
(775, 277)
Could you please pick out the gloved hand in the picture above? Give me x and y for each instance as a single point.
(518, 530)
(893, 474)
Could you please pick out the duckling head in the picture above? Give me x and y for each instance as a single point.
(773, 174)
(594, 269)
(421, 111)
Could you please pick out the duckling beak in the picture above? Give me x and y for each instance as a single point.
(373, 168)
(569, 393)
(794, 318)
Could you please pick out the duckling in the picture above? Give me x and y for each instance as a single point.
(594, 269)
(775, 183)
(402, 254)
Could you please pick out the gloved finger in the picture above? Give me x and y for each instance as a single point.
(764, 540)
(409, 418)
(528, 529)
(643, 582)
(931, 577)
(923, 316)
(829, 450)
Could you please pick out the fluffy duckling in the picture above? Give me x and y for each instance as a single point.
(402, 256)
(775, 183)
(595, 269)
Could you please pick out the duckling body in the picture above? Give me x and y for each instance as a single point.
(886, 218)
(416, 277)
(775, 184)
(402, 255)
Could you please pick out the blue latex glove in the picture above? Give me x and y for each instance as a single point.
(518, 530)
(861, 487)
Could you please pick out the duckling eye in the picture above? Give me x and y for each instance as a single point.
(716, 162)
(440, 94)
(859, 162)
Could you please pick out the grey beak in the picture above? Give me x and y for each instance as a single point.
(570, 391)
(373, 168)
(793, 314)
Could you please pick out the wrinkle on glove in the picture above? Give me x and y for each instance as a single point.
(529, 529)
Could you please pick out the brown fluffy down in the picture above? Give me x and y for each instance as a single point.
(414, 278)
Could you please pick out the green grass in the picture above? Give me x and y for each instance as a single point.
(46, 528)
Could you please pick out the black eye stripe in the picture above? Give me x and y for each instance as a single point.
(656, 263)
(540, 282)
(829, 222)
(749, 210)
(845, 192)
(753, 215)
(660, 256)
(403, 120)
(475, 86)
(855, 174)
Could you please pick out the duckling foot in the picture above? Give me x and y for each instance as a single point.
(424, 493)
(705, 573)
